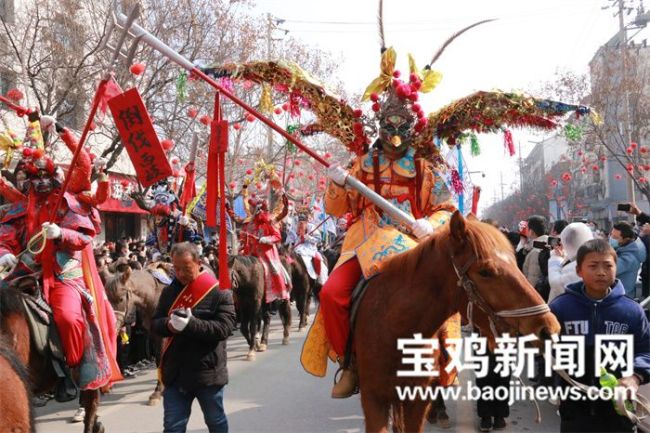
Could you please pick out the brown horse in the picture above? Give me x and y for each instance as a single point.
(418, 291)
(16, 400)
(302, 285)
(15, 328)
(132, 291)
(247, 278)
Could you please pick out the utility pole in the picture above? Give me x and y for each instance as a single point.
(269, 41)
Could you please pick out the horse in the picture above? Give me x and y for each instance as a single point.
(15, 328)
(302, 285)
(417, 291)
(247, 277)
(16, 412)
(132, 291)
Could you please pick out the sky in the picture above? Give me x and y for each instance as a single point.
(528, 43)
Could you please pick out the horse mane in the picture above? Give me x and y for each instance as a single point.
(11, 301)
(21, 372)
(484, 239)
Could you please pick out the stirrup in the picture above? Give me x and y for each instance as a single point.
(337, 379)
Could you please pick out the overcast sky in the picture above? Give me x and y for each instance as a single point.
(529, 42)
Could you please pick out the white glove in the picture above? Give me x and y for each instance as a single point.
(422, 228)
(99, 163)
(265, 240)
(338, 174)
(179, 323)
(184, 221)
(52, 231)
(47, 123)
(8, 261)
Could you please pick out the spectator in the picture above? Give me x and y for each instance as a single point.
(562, 263)
(597, 301)
(197, 318)
(630, 254)
(643, 220)
(523, 247)
(536, 233)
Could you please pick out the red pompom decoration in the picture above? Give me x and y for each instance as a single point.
(277, 110)
(258, 185)
(205, 120)
(253, 195)
(249, 172)
(232, 185)
(250, 117)
(357, 128)
(137, 68)
(124, 183)
(37, 153)
(413, 77)
(167, 144)
(192, 112)
(416, 107)
(374, 97)
(358, 113)
(27, 152)
(237, 126)
(376, 107)
(285, 106)
(396, 74)
(15, 95)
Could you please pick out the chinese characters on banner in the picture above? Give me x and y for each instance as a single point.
(512, 354)
(139, 138)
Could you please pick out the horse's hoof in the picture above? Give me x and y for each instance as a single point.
(250, 356)
(285, 341)
(442, 420)
(154, 399)
(98, 427)
(262, 347)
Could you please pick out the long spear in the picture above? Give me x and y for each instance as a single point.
(123, 22)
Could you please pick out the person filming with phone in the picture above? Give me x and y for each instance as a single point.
(195, 317)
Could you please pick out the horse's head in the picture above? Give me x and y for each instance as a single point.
(118, 290)
(501, 297)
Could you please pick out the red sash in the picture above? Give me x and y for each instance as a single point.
(189, 297)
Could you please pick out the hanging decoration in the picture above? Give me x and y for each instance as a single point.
(572, 132)
(456, 182)
(508, 142)
(475, 148)
(181, 86)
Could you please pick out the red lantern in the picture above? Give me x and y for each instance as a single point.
(237, 126)
(124, 183)
(310, 177)
(167, 144)
(328, 155)
(643, 150)
(249, 172)
(633, 145)
(285, 106)
(253, 195)
(258, 185)
(630, 167)
(296, 163)
(301, 174)
(137, 68)
(580, 153)
(643, 180)
(205, 120)
(15, 95)
(277, 110)
(554, 183)
(566, 176)
(192, 112)
(618, 177)
(232, 185)
(629, 150)
(594, 167)
(603, 158)
(250, 117)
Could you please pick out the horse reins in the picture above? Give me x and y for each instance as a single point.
(474, 297)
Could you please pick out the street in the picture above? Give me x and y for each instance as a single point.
(270, 394)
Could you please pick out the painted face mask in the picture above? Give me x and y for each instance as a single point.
(43, 184)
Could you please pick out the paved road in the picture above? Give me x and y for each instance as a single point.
(271, 394)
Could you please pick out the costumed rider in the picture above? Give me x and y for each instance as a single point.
(70, 282)
(308, 237)
(393, 169)
(170, 225)
(265, 239)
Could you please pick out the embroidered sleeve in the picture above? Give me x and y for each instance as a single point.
(74, 240)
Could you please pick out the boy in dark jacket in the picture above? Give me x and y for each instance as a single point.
(598, 305)
(196, 318)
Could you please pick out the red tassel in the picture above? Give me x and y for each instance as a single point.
(509, 143)
(476, 196)
(189, 187)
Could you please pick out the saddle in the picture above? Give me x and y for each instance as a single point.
(45, 335)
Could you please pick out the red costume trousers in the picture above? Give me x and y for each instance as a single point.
(65, 301)
(335, 299)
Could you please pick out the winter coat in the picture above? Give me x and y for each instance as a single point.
(628, 262)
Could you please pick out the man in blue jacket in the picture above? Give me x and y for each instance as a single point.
(630, 254)
(598, 306)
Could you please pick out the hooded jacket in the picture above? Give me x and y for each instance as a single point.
(614, 314)
(628, 262)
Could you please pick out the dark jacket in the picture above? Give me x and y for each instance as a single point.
(197, 355)
(614, 314)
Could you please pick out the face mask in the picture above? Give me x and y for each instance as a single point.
(614, 243)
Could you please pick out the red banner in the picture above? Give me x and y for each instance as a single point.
(139, 138)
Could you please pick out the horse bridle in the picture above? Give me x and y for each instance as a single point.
(475, 297)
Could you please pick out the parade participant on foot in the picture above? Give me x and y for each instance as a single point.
(196, 318)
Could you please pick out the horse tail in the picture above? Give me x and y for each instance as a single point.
(397, 415)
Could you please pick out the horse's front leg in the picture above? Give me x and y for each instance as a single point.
(285, 315)
(375, 413)
(90, 402)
